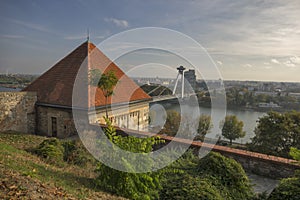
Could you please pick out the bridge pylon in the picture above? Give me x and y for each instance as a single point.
(180, 73)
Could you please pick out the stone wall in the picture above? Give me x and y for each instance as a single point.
(64, 124)
(17, 111)
(257, 163)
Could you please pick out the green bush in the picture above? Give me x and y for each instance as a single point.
(188, 187)
(226, 174)
(75, 153)
(130, 185)
(51, 150)
(289, 188)
(55, 151)
(212, 177)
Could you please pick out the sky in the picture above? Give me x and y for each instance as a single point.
(247, 40)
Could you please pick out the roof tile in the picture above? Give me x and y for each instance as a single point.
(55, 86)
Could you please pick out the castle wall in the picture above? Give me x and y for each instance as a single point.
(17, 111)
(56, 122)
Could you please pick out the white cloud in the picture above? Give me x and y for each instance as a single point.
(219, 62)
(295, 59)
(248, 66)
(275, 61)
(266, 63)
(289, 63)
(268, 67)
(118, 22)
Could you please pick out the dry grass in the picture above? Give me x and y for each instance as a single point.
(26, 176)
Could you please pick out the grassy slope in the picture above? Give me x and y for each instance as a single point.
(26, 175)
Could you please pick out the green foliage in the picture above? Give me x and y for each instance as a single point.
(232, 128)
(172, 123)
(75, 153)
(57, 152)
(105, 81)
(94, 77)
(212, 177)
(260, 196)
(276, 133)
(51, 150)
(172, 126)
(227, 175)
(295, 153)
(130, 185)
(289, 188)
(189, 187)
(204, 126)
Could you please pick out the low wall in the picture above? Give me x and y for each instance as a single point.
(257, 163)
(17, 111)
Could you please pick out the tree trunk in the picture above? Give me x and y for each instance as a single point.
(106, 107)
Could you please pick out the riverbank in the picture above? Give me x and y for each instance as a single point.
(256, 109)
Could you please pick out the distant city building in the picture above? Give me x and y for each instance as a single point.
(296, 95)
(190, 76)
(268, 105)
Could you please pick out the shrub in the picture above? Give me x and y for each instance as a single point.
(189, 187)
(212, 177)
(130, 185)
(288, 188)
(56, 152)
(75, 153)
(226, 174)
(51, 150)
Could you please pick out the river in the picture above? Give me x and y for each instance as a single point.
(5, 89)
(247, 116)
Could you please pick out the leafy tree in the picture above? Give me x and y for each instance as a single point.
(204, 126)
(105, 81)
(232, 128)
(172, 123)
(130, 185)
(276, 133)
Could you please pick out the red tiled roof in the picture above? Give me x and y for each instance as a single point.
(56, 85)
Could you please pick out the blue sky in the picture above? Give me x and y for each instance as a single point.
(248, 40)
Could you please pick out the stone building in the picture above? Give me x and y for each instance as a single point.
(128, 107)
(190, 77)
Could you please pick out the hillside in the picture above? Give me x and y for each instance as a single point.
(26, 176)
